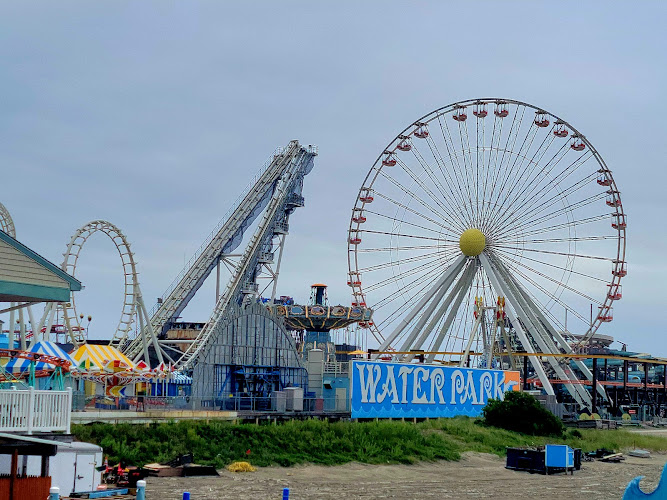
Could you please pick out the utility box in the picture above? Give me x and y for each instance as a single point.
(294, 398)
(278, 401)
(558, 457)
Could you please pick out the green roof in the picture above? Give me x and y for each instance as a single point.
(17, 291)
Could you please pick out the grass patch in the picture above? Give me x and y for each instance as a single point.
(220, 443)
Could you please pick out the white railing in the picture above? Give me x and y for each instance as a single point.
(35, 411)
(336, 367)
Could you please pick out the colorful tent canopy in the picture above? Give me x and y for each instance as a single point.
(91, 357)
(180, 378)
(19, 365)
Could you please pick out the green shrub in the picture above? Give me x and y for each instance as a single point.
(521, 412)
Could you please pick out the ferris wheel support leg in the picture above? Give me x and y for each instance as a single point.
(463, 286)
(566, 347)
(435, 300)
(523, 337)
(471, 339)
(508, 346)
(541, 336)
(463, 280)
(452, 270)
(545, 338)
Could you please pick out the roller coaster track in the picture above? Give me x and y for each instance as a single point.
(275, 193)
(133, 304)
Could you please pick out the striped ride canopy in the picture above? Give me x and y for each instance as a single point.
(98, 358)
(19, 365)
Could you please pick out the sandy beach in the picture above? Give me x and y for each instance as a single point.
(475, 476)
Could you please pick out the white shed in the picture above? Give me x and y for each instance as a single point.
(72, 468)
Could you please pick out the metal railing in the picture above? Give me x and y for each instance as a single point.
(337, 367)
(241, 404)
(35, 411)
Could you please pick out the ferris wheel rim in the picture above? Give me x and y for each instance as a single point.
(408, 133)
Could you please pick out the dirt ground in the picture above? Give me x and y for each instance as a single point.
(475, 476)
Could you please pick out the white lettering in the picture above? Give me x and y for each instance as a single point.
(416, 386)
(368, 385)
(485, 387)
(403, 372)
(457, 385)
(389, 387)
(470, 390)
(437, 383)
(498, 389)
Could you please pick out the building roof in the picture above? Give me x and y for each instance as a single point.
(26, 276)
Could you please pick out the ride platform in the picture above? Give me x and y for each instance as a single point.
(320, 318)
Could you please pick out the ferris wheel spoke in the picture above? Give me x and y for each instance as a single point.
(564, 240)
(556, 213)
(442, 165)
(397, 249)
(401, 222)
(510, 173)
(444, 215)
(487, 171)
(406, 235)
(538, 202)
(412, 211)
(525, 172)
(438, 202)
(457, 169)
(562, 225)
(392, 263)
(431, 175)
(561, 284)
(464, 140)
(412, 272)
(525, 190)
(508, 255)
(582, 256)
(540, 179)
(512, 137)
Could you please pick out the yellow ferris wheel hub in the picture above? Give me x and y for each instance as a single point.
(472, 242)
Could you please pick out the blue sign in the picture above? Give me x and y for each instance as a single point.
(395, 390)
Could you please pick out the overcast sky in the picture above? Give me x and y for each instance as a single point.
(154, 116)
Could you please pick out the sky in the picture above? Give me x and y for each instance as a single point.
(155, 115)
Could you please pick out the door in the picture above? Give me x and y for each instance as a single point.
(84, 472)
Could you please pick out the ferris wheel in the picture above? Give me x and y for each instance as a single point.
(485, 226)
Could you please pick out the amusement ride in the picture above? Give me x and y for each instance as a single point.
(489, 226)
